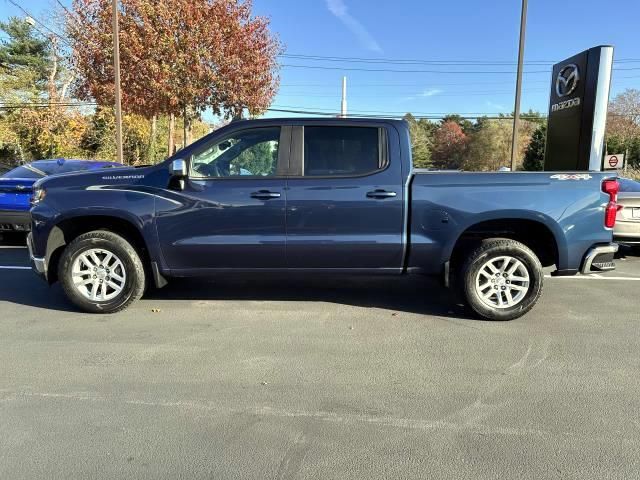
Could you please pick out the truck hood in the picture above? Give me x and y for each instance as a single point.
(108, 176)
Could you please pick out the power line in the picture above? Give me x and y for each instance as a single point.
(455, 72)
(427, 85)
(63, 39)
(414, 61)
(450, 72)
(391, 113)
(411, 94)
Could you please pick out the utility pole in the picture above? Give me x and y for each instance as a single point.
(343, 105)
(516, 110)
(116, 70)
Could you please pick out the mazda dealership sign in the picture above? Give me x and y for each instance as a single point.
(578, 110)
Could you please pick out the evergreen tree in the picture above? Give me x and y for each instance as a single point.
(534, 155)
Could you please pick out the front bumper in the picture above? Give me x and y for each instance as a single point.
(15, 221)
(600, 258)
(39, 265)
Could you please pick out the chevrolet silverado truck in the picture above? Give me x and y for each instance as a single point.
(337, 196)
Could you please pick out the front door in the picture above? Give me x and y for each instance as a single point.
(231, 213)
(345, 202)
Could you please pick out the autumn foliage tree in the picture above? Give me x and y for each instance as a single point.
(450, 144)
(176, 56)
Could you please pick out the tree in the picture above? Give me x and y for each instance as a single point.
(623, 126)
(421, 133)
(449, 146)
(178, 57)
(534, 154)
(23, 50)
(490, 146)
(32, 68)
(465, 125)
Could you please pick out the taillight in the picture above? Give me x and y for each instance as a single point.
(611, 187)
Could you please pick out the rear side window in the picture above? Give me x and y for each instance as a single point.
(342, 151)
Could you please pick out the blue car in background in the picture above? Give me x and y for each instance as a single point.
(16, 186)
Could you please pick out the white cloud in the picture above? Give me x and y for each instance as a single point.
(339, 9)
(430, 92)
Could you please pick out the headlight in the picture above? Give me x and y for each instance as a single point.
(38, 195)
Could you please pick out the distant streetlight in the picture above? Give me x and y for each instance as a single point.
(116, 70)
(516, 110)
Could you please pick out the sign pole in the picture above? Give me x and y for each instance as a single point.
(626, 156)
(116, 69)
(516, 110)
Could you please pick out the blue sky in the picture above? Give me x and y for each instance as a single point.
(464, 31)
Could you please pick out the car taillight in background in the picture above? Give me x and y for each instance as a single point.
(611, 187)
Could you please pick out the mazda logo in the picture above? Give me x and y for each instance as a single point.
(567, 81)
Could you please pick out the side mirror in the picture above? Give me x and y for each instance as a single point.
(178, 171)
(178, 168)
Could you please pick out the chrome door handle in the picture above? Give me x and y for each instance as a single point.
(381, 194)
(265, 194)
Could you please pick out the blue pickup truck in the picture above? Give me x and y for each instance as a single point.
(336, 196)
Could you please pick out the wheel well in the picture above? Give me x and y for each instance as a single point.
(534, 235)
(65, 231)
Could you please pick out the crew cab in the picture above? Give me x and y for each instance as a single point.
(337, 196)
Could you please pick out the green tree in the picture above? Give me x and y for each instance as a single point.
(22, 49)
(421, 133)
(534, 154)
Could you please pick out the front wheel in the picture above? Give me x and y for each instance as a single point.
(101, 272)
(502, 279)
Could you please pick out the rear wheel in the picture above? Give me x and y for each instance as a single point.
(502, 279)
(101, 272)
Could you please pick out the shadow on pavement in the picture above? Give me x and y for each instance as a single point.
(412, 294)
(23, 287)
(403, 294)
(628, 251)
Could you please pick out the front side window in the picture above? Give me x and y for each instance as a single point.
(341, 151)
(251, 152)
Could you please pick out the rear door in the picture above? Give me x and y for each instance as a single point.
(345, 197)
(231, 213)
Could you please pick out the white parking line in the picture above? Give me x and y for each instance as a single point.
(13, 267)
(599, 277)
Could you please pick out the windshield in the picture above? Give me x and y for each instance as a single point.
(25, 171)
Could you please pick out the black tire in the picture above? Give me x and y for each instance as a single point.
(494, 248)
(134, 284)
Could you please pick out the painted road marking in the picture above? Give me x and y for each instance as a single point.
(8, 247)
(588, 277)
(13, 267)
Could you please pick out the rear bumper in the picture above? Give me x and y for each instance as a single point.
(600, 258)
(39, 265)
(15, 221)
(627, 230)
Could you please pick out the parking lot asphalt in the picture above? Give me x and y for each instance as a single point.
(319, 378)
